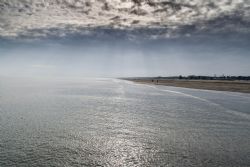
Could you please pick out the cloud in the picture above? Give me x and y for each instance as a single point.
(42, 66)
(155, 18)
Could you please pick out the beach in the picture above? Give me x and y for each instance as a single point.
(111, 122)
(219, 85)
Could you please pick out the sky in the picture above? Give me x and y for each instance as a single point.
(124, 38)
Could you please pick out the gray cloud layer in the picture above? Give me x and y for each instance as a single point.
(42, 18)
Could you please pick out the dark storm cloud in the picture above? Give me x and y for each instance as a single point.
(148, 18)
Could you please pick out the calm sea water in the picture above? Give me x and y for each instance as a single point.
(109, 122)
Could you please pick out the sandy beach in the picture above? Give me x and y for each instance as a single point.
(219, 85)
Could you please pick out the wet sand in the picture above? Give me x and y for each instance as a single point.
(232, 86)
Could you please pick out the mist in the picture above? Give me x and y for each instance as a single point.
(120, 58)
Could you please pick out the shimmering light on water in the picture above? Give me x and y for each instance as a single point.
(108, 122)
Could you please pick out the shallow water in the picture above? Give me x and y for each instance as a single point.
(110, 122)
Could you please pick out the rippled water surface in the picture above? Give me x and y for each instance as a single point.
(109, 122)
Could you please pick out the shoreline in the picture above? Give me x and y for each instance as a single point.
(217, 85)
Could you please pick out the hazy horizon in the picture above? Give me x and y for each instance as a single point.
(66, 99)
(124, 38)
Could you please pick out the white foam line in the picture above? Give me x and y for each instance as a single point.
(180, 93)
(229, 93)
(234, 112)
(236, 94)
(205, 100)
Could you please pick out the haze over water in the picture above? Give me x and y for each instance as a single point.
(110, 122)
(50, 116)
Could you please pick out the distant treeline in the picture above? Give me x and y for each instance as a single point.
(194, 77)
(200, 77)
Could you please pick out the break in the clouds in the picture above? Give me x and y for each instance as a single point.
(160, 18)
